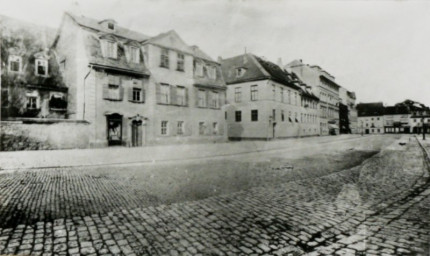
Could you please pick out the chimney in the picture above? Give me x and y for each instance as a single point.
(280, 62)
(301, 61)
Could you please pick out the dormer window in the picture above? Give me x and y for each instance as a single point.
(15, 63)
(111, 26)
(164, 58)
(212, 72)
(109, 48)
(134, 54)
(41, 67)
(199, 69)
(240, 72)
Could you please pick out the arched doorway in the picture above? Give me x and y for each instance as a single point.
(137, 128)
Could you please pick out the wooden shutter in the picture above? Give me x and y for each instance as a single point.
(130, 93)
(158, 92)
(127, 51)
(186, 96)
(207, 95)
(173, 93)
(105, 85)
(142, 95)
(121, 92)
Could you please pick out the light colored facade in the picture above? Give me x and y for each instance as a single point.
(370, 118)
(130, 87)
(263, 104)
(325, 88)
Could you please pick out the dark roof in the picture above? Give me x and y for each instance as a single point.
(256, 69)
(324, 78)
(396, 110)
(370, 109)
(119, 31)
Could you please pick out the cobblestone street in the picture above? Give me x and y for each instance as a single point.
(377, 207)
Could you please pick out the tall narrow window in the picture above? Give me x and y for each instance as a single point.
(180, 130)
(199, 69)
(254, 92)
(238, 116)
(41, 67)
(238, 94)
(164, 58)
(202, 128)
(111, 49)
(180, 63)
(215, 128)
(282, 116)
(180, 96)
(274, 91)
(202, 98)
(274, 114)
(15, 63)
(289, 97)
(164, 128)
(295, 98)
(212, 72)
(137, 94)
(31, 102)
(165, 93)
(282, 95)
(254, 115)
(214, 100)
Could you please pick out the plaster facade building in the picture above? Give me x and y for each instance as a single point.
(134, 89)
(370, 118)
(325, 88)
(32, 85)
(266, 102)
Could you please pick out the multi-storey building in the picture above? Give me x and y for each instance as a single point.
(134, 89)
(370, 118)
(324, 86)
(347, 111)
(32, 85)
(396, 119)
(265, 101)
(352, 112)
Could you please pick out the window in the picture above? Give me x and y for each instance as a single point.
(180, 63)
(212, 72)
(289, 97)
(41, 67)
(301, 117)
(238, 94)
(296, 116)
(134, 54)
(111, 49)
(274, 115)
(282, 116)
(254, 115)
(15, 63)
(164, 128)
(254, 92)
(31, 102)
(290, 118)
(113, 90)
(295, 98)
(57, 101)
(180, 96)
(282, 94)
(180, 127)
(238, 116)
(111, 26)
(137, 94)
(377, 118)
(199, 69)
(215, 128)
(164, 58)
(225, 115)
(201, 98)
(202, 128)
(274, 91)
(214, 100)
(165, 93)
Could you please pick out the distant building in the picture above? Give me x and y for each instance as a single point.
(266, 102)
(370, 118)
(32, 84)
(352, 112)
(419, 115)
(325, 88)
(396, 119)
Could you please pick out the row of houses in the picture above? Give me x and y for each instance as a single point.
(404, 117)
(133, 89)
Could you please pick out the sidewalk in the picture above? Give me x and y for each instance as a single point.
(151, 154)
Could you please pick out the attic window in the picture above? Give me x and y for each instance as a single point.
(111, 26)
(15, 63)
(240, 72)
(41, 67)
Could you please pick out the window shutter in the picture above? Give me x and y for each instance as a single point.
(173, 93)
(103, 48)
(121, 92)
(105, 85)
(207, 98)
(186, 96)
(127, 51)
(130, 93)
(143, 94)
(196, 96)
(158, 92)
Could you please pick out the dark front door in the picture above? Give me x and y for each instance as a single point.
(136, 133)
(367, 131)
(114, 129)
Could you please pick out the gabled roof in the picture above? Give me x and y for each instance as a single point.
(198, 53)
(370, 109)
(255, 69)
(97, 25)
(171, 40)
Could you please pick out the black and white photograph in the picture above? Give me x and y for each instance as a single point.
(214, 127)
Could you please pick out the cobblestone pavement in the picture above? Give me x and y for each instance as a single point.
(343, 213)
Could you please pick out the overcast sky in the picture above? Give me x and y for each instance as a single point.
(379, 49)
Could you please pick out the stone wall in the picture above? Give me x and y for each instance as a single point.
(43, 134)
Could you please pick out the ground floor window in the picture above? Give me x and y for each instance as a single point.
(254, 115)
(201, 128)
(164, 128)
(238, 116)
(31, 102)
(180, 128)
(215, 128)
